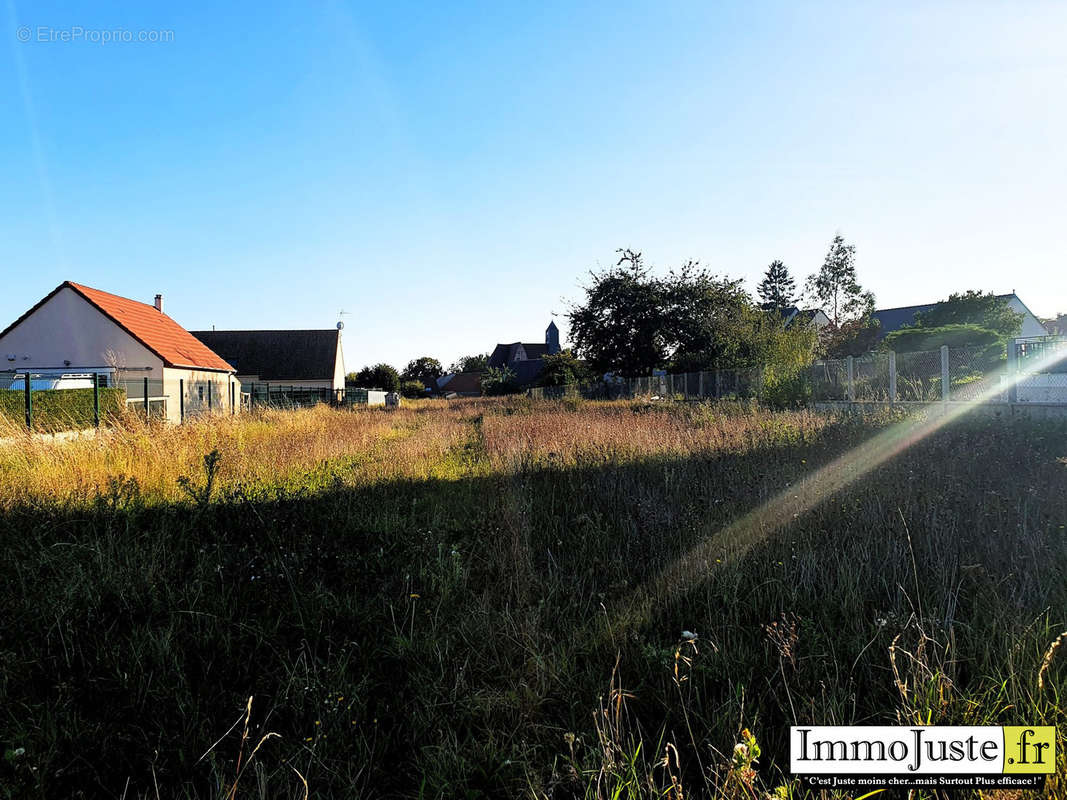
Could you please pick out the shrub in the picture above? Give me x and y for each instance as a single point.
(412, 389)
(786, 388)
(498, 381)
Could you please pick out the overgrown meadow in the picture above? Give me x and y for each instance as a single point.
(507, 598)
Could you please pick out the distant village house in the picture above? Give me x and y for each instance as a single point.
(525, 359)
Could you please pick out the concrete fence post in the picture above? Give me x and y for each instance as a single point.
(700, 384)
(850, 366)
(944, 376)
(892, 378)
(181, 399)
(96, 400)
(1012, 372)
(718, 383)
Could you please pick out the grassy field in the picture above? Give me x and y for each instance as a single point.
(487, 598)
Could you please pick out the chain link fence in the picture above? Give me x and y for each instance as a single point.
(985, 374)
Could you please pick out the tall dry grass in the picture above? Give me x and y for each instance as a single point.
(484, 598)
(267, 448)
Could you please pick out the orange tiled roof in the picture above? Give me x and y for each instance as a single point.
(154, 329)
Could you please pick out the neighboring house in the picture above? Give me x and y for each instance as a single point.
(815, 316)
(309, 359)
(892, 319)
(76, 329)
(460, 384)
(525, 358)
(1056, 326)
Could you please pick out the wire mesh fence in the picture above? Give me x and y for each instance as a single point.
(982, 374)
(919, 377)
(828, 380)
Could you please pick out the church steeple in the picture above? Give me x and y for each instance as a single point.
(552, 338)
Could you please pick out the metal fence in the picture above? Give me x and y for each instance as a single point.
(1029, 372)
(55, 400)
(273, 395)
(1042, 368)
(746, 383)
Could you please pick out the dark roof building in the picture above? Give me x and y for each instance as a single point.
(461, 384)
(525, 358)
(311, 358)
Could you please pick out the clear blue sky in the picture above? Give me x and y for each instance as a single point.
(449, 176)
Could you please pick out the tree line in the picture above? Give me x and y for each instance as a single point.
(633, 321)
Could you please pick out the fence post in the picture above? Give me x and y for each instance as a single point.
(718, 383)
(146, 417)
(1013, 372)
(700, 384)
(233, 408)
(96, 400)
(29, 404)
(892, 378)
(850, 366)
(944, 376)
(181, 399)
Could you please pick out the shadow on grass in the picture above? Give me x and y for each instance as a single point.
(439, 638)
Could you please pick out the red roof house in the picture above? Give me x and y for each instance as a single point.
(78, 329)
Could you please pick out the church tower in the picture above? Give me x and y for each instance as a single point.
(552, 338)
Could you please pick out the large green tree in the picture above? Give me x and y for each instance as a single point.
(973, 308)
(425, 370)
(620, 326)
(475, 363)
(836, 288)
(709, 320)
(378, 376)
(777, 290)
(632, 322)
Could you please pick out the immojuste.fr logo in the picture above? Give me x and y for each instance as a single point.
(934, 755)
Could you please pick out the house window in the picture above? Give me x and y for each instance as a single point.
(200, 393)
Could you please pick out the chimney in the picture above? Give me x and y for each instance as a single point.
(159, 303)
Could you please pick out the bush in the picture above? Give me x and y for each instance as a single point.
(918, 339)
(498, 381)
(786, 388)
(413, 389)
(61, 409)
(563, 369)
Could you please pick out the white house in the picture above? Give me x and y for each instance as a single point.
(76, 329)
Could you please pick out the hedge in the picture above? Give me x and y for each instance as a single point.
(61, 409)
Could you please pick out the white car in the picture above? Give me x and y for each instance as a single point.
(46, 382)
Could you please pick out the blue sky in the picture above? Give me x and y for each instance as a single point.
(449, 175)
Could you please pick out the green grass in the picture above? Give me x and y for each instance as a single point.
(485, 599)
